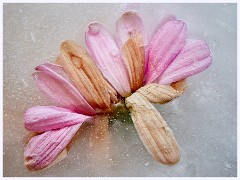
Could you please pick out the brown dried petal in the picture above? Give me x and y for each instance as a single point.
(154, 132)
(112, 92)
(133, 56)
(156, 93)
(77, 63)
(180, 86)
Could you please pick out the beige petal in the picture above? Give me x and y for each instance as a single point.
(154, 132)
(156, 93)
(133, 56)
(77, 63)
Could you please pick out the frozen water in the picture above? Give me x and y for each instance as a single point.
(203, 118)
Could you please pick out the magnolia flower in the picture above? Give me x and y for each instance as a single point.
(132, 71)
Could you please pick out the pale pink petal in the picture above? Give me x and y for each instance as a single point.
(161, 23)
(194, 58)
(45, 118)
(44, 148)
(130, 23)
(164, 47)
(107, 57)
(52, 80)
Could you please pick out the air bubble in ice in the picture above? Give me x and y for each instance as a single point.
(146, 164)
(228, 164)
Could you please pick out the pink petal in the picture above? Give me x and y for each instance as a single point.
(106, 55)
(164, 47)
(45, 118)
(44, 148)
(130, 23)
(161, 23)
(194, 58)
(52, 80)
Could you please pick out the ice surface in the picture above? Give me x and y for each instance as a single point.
(204, 118)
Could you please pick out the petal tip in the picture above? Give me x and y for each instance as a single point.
(179, 24)
(37, 68)
(129, 13)
(93, 28)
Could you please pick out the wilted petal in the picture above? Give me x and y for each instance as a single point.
(194, 58)
(45, 118)
(156, 93)
(112, 92)
(53, 81)
(106, 54)
(132, 40)
(99, 141)
(44, 148)
(100, 132)
(154, 132)
(77, 63)
(133, 56)
(164, 47)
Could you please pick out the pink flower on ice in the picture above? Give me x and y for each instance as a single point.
(85, 87)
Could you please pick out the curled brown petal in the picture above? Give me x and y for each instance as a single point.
(133, 56)
(180, 86)
(112, 92)
(77, 63)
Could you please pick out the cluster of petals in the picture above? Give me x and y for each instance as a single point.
(87, 83)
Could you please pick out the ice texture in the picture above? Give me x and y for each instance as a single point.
(203, 119)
